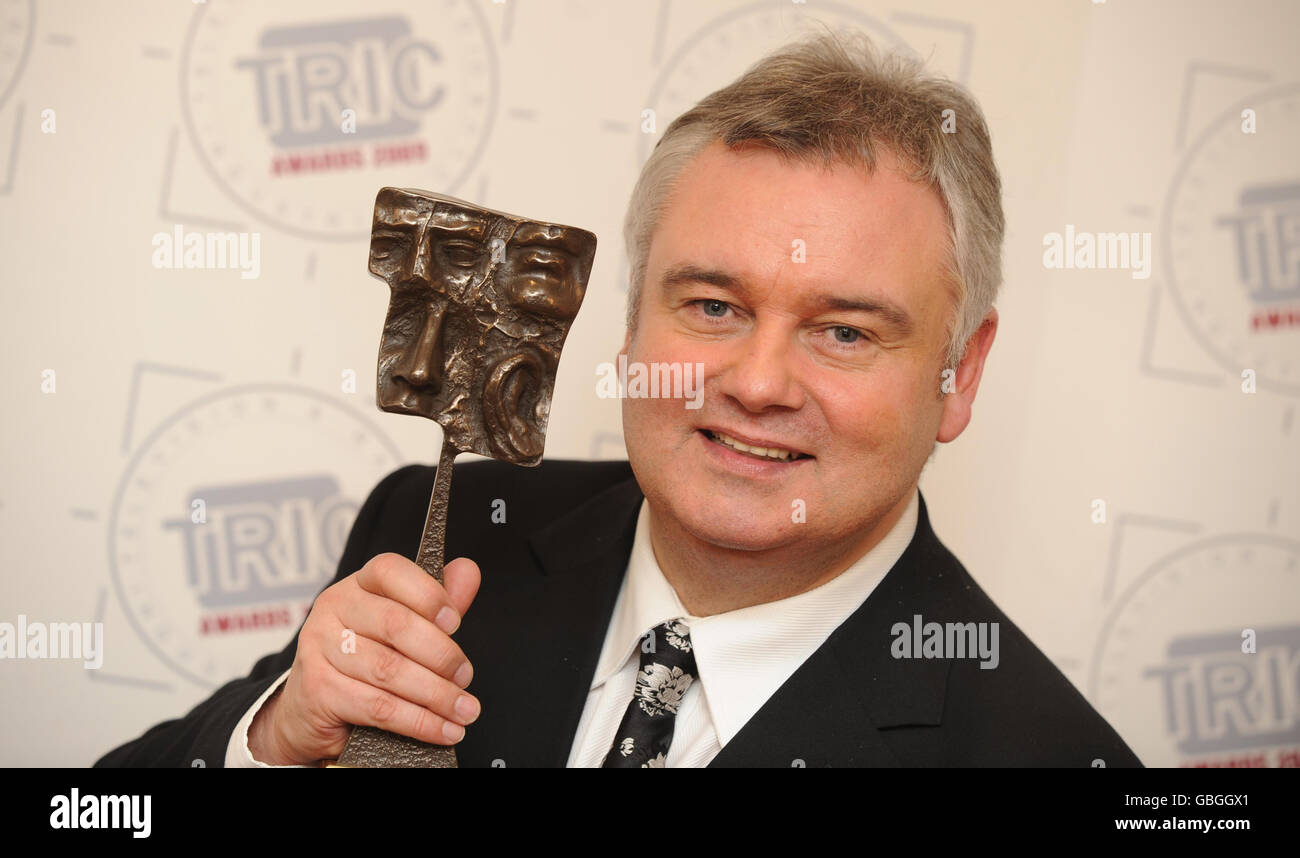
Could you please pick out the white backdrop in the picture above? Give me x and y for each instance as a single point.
(1118, 493)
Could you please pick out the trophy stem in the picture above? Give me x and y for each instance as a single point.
(434, 540)
(370, 747)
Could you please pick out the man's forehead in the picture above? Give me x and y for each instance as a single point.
(763, 218)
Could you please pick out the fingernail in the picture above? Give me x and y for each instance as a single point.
(453, 732)
(447, 620)
(463, 675)
(467, 708)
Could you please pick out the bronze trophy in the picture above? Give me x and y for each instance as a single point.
(481, 302)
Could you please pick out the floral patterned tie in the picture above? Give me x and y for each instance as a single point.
(667, 670)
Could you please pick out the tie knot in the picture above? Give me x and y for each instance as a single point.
(669, 644)
(667, 668)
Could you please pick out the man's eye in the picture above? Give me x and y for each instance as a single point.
(713, 308)
(845, 334)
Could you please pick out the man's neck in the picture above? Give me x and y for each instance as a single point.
(710, 579)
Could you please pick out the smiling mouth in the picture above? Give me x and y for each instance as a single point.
(769, 454)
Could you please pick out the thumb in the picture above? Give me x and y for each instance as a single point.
(461, 578)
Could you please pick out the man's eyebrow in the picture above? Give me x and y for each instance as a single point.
(892, 314)
(679, 275)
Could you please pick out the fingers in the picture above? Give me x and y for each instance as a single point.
(461, 579)
(395, 625)
(384, 668)
(364, 704)
(397, 578)
(394, 577)
(376, 650)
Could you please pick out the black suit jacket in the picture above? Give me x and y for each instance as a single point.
(551, 574)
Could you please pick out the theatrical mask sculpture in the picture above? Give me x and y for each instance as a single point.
(481, 302)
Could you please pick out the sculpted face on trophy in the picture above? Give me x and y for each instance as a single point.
(481, 302)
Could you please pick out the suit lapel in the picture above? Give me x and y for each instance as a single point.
(559, 618)
(834, 710)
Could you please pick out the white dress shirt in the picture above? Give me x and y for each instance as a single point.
(742, 657)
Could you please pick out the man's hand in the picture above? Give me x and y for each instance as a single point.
(374, 651)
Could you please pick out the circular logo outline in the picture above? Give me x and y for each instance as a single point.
(143, 449)
(259, 216)
(1166, 233)
(1161, 565)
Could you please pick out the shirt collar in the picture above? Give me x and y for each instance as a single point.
(743, 656)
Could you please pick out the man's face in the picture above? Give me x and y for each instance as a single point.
(481, 304)
(837, 357)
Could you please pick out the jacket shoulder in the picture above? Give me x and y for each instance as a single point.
(1011, 705)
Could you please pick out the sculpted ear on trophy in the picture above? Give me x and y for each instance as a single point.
(516, 404)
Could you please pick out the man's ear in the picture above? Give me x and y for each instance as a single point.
(957, 404)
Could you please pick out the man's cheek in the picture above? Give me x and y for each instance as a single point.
(867, 427)
(660, 349)
(929, 396)
(645, 420)
(669, 410)
(661, 374)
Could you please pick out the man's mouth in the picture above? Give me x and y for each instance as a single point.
(767, 453)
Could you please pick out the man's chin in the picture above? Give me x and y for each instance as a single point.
(737, 528)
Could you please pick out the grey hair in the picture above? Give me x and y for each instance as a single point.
(832, 98)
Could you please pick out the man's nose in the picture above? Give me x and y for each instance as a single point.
(759, 372)
(424, 365)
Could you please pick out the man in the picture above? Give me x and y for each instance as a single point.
(759, 584)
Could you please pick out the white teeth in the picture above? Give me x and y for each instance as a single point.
(766, 452)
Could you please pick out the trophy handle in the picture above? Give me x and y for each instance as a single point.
(370, 747)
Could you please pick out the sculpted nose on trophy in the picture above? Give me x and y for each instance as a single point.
(417, 266)
(424, 365)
